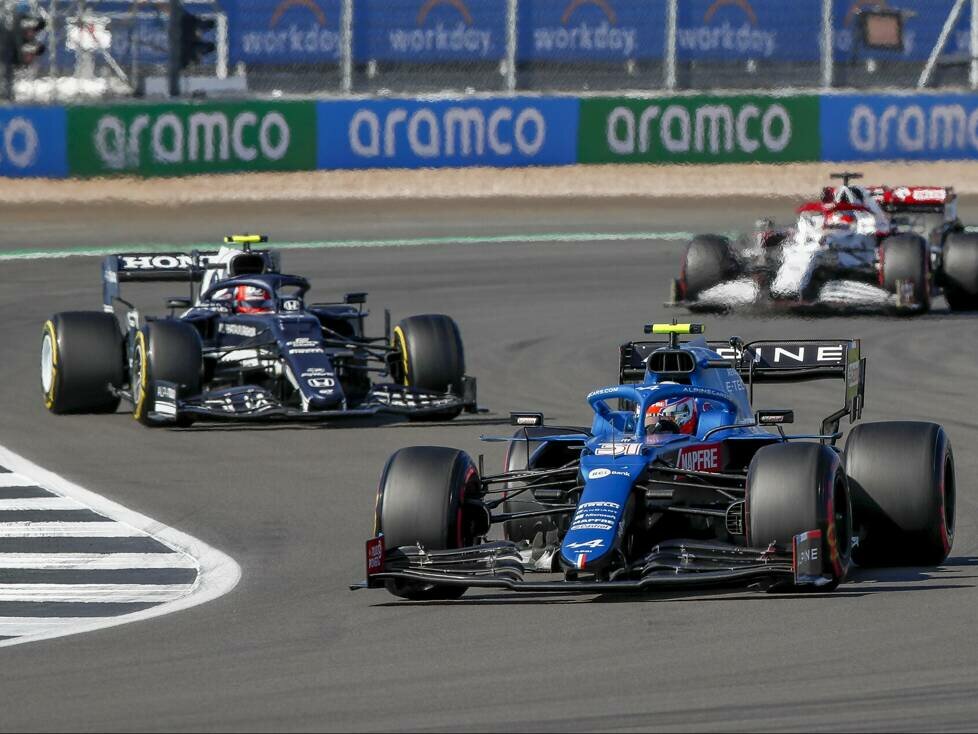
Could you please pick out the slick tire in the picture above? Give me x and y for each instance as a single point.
(534, 454)
(905, 258)
(961, 271)
(82, 354)
(796, 487)
(901, 475)
(421, 501)
(170, 351)
(708, 261)
(429, 355)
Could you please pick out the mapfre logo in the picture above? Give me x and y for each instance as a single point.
(586, 27)
(701, 458)
(720, 32)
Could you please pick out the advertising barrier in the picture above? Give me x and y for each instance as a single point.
(701, 129)
(284, 32)
(868, 127)
(179, 139)
(32, 142)
(597, 30)
(423, 31)
(410, 133)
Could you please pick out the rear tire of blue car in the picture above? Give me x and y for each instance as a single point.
(903, 492)
(905, 258)
(422, 501)
(170, 351)
(961, 271)
(428, 355)
(793, 488)
(82, 359)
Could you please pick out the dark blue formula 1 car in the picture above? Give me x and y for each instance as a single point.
(678, 482)
(246, 346)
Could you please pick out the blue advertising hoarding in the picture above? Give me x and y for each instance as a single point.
(591, 30)
(32, 142)
(762, 30)
(410, 133)
(429, 30)
(869, 127)
(284, 31)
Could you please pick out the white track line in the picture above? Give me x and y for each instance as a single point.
(94, 561)
(93, 593)
(68, 530)
(217, 573)
(41, 503)
(43, 626)
(15, 480)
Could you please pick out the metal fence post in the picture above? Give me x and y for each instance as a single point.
(938, 49)
(512, 13)
(973, 75)
(670, 50)
(347, 42)
(828, 42)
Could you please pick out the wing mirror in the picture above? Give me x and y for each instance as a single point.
(175, 303)
(524, 420)
(775, 417)
(355, 298)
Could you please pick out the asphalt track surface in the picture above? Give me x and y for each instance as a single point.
(292, 648)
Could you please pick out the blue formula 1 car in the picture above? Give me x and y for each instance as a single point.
(246, 346)
(678, 482)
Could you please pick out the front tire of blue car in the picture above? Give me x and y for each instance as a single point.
(422, 501)
(793, 488)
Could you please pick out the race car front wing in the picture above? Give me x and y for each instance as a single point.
(256, 403)
(673, 564)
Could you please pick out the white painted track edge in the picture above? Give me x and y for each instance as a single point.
(217, 572)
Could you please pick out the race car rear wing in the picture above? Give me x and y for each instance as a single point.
(774, 361)
(161, 267)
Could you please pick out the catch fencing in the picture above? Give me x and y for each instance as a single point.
(112, 48)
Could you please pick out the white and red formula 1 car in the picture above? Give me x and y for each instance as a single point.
(855, 248)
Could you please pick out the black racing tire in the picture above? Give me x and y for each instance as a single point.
(167, 350)
(961, 271)
(707, 261)
(901, 474)
(534, 454)
(796, 487)
(429, 355)
(82, 354)
(421, 500)
(905, 257)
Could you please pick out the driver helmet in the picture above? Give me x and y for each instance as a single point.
(674, 415)
(251, 299)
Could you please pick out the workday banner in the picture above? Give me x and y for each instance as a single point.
(411, 133)
(284, 31)
(424, 31)
(596, 30)
(700, 129)
(33, 142)
(869, 127)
